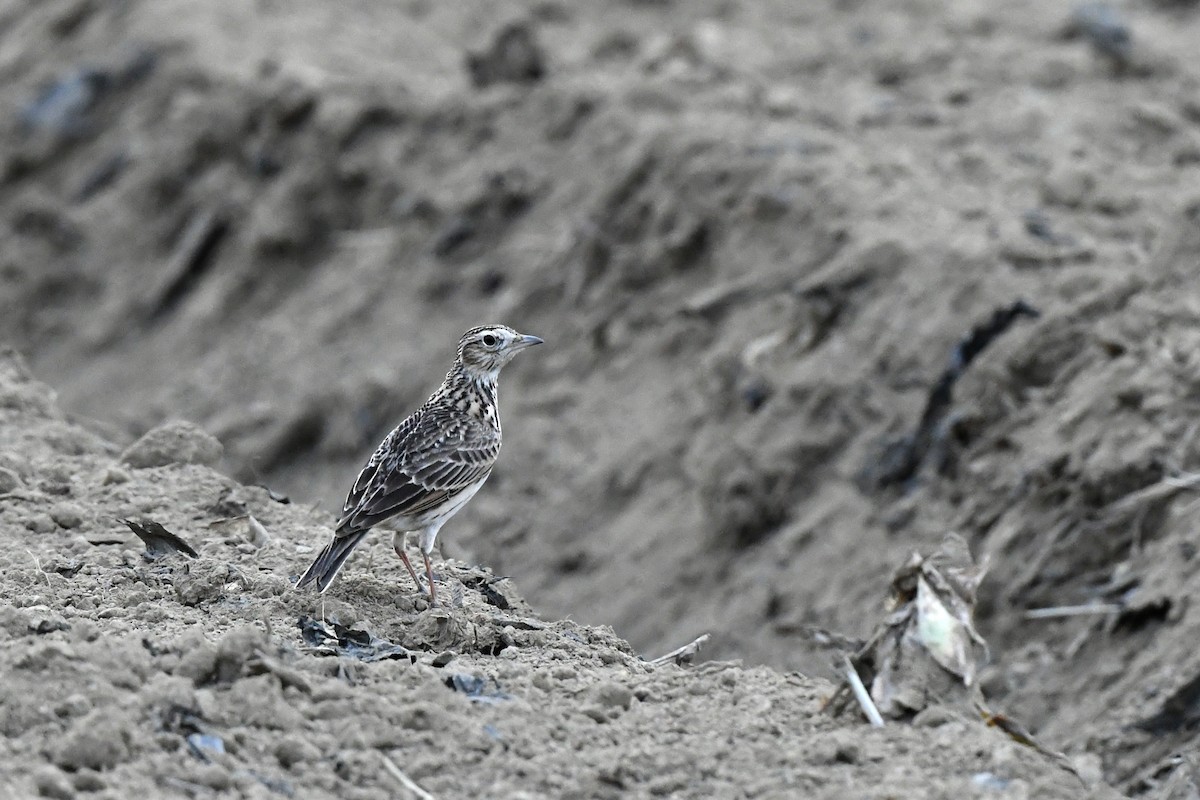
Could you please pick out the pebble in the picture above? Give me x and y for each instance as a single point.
(513, 57)
(598, 713)
(67, 515)
(9, 480)
(52, 783)
(40, 523)
(75, 705)
(214, 776)
(173, 443)
(1067, 186)
(115, 475)
(614, 695)
(295, 750)
(95, 741)
(89, 781)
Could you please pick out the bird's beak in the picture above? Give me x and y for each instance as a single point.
(527, 341)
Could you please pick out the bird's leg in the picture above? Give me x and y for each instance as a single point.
(398, 543)
(428, 535)
(429, 573)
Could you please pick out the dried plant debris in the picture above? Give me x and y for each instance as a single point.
(899, 460)
(926, 652)
(204, 745)
(477, 689)
(1021, 735)
(933, 600)
(682, 655)
(337, 639)
(278, 497)
(68, 567)
(486, 586)
(158, 540)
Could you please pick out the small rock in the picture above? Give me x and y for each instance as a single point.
(839, 747)
(214, 776)
(97, 742)
(173, 443)
(9, 480)
(67, 515)
(514, 57)
(115, 475)
(256, 532)
(52, 783)
(598, 713)
(935, 717)
(203, 581)
(40, 523)
(609, 656)
(847, 753)
(420, 716)
(14, 621)
(199, 662)
(237, 647)
(87, 780)
(614, 695)
(1067, 186)
(48, 624)
(994, 682)
(74, 705)
(293, 750)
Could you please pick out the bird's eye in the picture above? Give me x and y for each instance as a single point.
(489, 340)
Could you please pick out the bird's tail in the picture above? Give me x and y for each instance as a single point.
(329, 562)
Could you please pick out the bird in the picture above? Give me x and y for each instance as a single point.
(432, 463)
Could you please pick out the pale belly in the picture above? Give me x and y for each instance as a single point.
(428, 524)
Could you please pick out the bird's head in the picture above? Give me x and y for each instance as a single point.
(484, 351)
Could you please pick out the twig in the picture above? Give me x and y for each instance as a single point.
(861, 694)
(900, 460)
(1163, 488)
(405, 781)
(1057, 612)
(680, 653)
(38, 565)
(1034, 566)
(193, 255)
(1185, 481)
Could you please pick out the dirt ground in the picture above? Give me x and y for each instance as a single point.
(751, 235)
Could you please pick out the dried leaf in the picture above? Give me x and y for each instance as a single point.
(158, 540)
(1020, 734)
(947, 637)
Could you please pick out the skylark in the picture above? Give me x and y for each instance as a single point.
(427, 469)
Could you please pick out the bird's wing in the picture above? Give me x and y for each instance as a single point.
(420, 465)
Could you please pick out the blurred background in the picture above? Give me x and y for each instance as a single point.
(751, 235)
